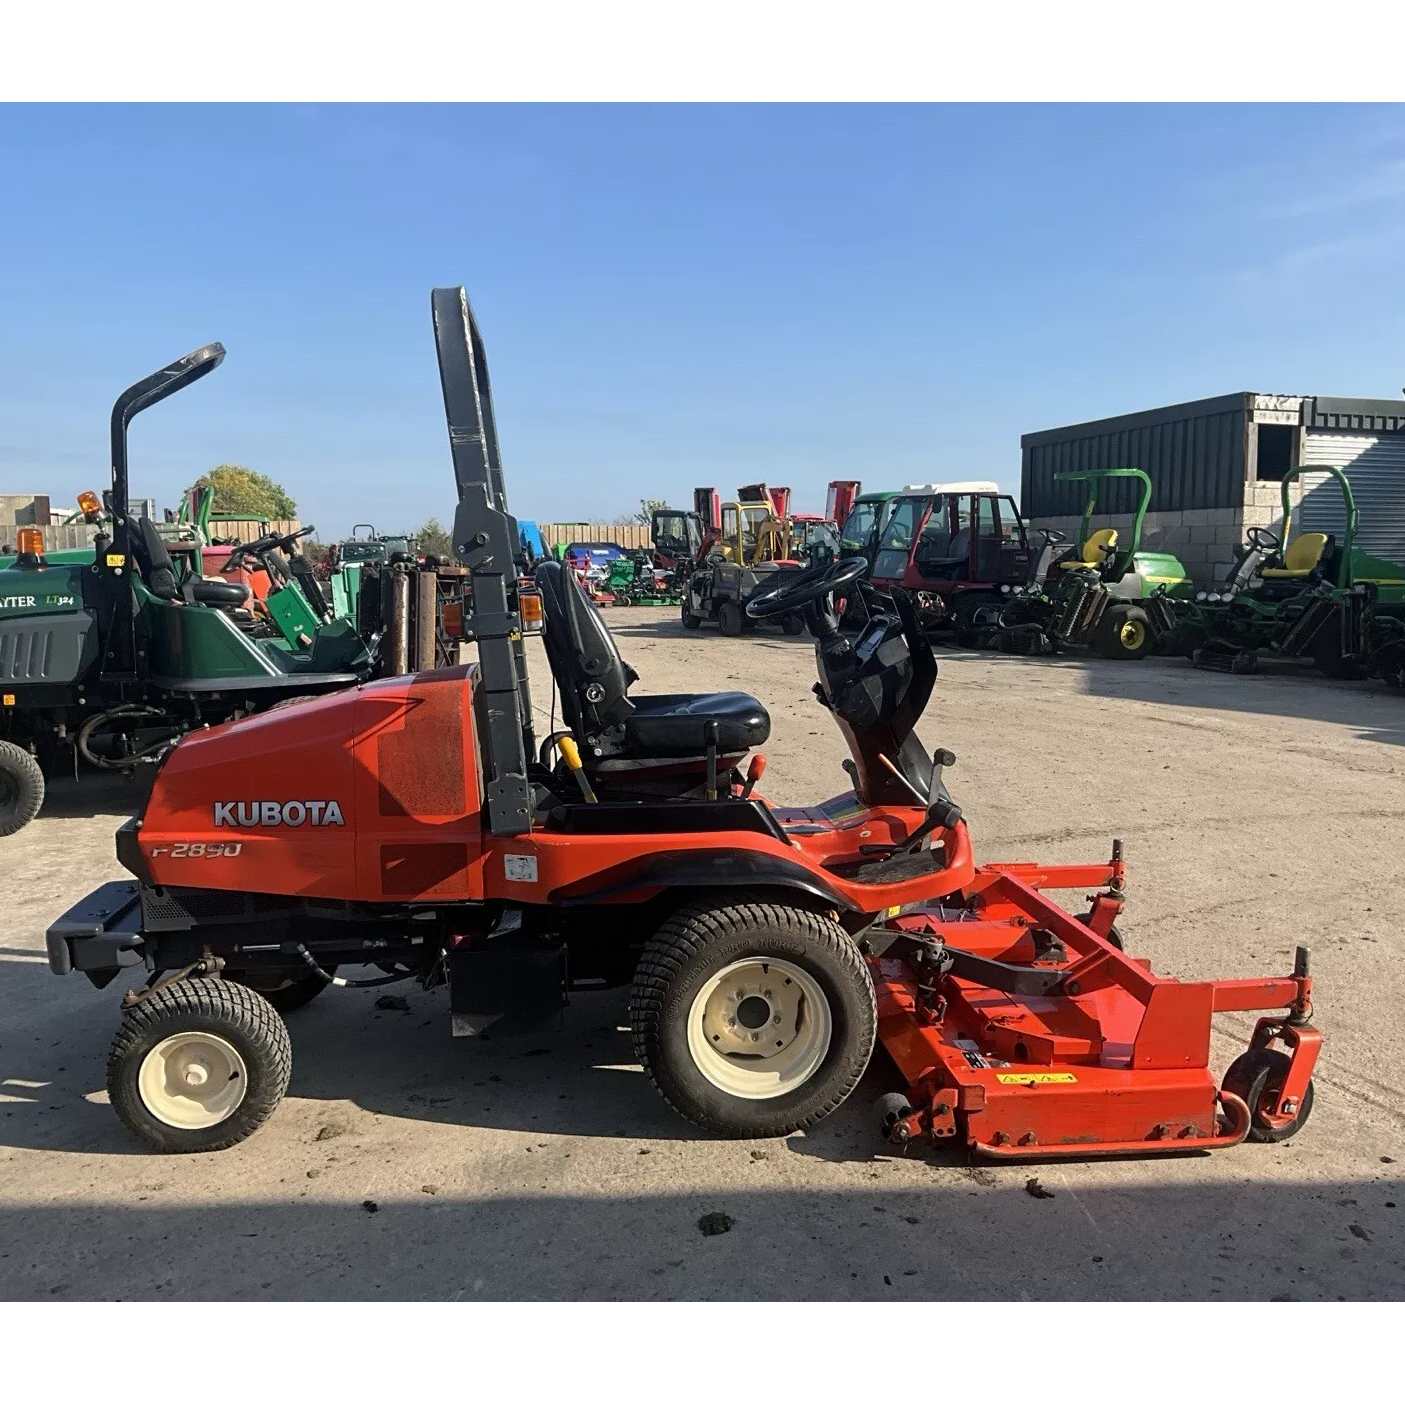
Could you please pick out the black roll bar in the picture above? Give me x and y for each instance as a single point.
(485, 540)
(132, 401)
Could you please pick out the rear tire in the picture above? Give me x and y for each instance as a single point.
(21, 788)
(1124, 632)
(1257, 1075)
(752, 1019)
(198, 1065)
(729, 618)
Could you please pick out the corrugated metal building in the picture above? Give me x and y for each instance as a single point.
(1217, 466)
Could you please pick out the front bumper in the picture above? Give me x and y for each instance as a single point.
(99, 935)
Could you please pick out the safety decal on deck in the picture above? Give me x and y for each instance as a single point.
(520, 868)
(115, 558)
(1031, 1078)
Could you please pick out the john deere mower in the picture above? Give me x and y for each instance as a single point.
(1104, 594)
(1308, 596)
(419, 828)
(109, 655)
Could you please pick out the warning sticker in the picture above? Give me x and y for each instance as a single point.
(520, 868)
(1033, 1078)
(115, 558)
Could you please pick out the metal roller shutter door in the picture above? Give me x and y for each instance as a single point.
(1375, 467)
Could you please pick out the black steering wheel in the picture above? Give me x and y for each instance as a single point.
(263, 544)
(1261, 539)
(1052, 536)
(794, 589)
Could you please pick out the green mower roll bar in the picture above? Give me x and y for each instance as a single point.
(1092, 477)
(1344, 561)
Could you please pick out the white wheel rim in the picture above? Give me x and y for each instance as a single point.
(192, 1080)
(759, 1028)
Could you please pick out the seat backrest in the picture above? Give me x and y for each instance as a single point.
(588, 669)
(1099, 546)
(1305, 551)
(153, 560)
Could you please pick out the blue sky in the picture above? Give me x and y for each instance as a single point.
(674, 296)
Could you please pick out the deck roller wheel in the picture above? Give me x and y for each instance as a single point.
(198, 1065)
(752, 1019)
(1257, 1076)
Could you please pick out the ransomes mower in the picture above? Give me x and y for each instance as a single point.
(418, 826)
(1306, 596)
(111, 654)
(1104, 595)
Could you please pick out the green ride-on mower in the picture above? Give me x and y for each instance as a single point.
(1104, 594)
(1307, 597)
(112, 654)
(634, 579)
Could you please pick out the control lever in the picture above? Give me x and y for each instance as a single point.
(570, 754)
(941, 757)
(710, 737)
(941, 814)
(754, 772)
(852, 771)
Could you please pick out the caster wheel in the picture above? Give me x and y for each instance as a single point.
(1257, 1076)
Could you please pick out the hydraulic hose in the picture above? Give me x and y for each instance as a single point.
(126, 710)
(342, 981)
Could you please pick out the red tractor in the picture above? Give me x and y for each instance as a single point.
(954, 547)
(419, 829)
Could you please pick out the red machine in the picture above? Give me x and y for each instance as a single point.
(839, 499)
(954, 547)
(418, 827)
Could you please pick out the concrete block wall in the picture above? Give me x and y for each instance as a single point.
(1203, 538)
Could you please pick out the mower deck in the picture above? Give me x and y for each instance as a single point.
(1028, 1033)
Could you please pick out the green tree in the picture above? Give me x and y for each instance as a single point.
(647, 508)
(241, 490)
(432, 539)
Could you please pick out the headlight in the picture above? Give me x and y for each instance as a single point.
(1200, 595)
(1004, 590)
(1256, 583)
(1213, 595)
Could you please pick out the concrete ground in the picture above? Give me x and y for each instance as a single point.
(1257, 813)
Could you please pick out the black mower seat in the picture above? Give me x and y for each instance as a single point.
(595, 681)
(225, 594)
(671, 724)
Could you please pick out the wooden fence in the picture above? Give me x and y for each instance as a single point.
(626, 534)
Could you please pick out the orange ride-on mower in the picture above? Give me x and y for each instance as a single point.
(417, 827)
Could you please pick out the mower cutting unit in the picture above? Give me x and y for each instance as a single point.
(1104, 595)
(417, 825)
(1305, 597)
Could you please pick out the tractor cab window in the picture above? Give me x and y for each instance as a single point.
(859, 525)
(1011, 523)
(676, 533)
(936, 534)
(959, 545)
(897, 538)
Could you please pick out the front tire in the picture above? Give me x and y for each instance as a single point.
(690, 620)
(729, 618)
(752, 1019)
(1124, 632)
(21, 788)
(198, 1065)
